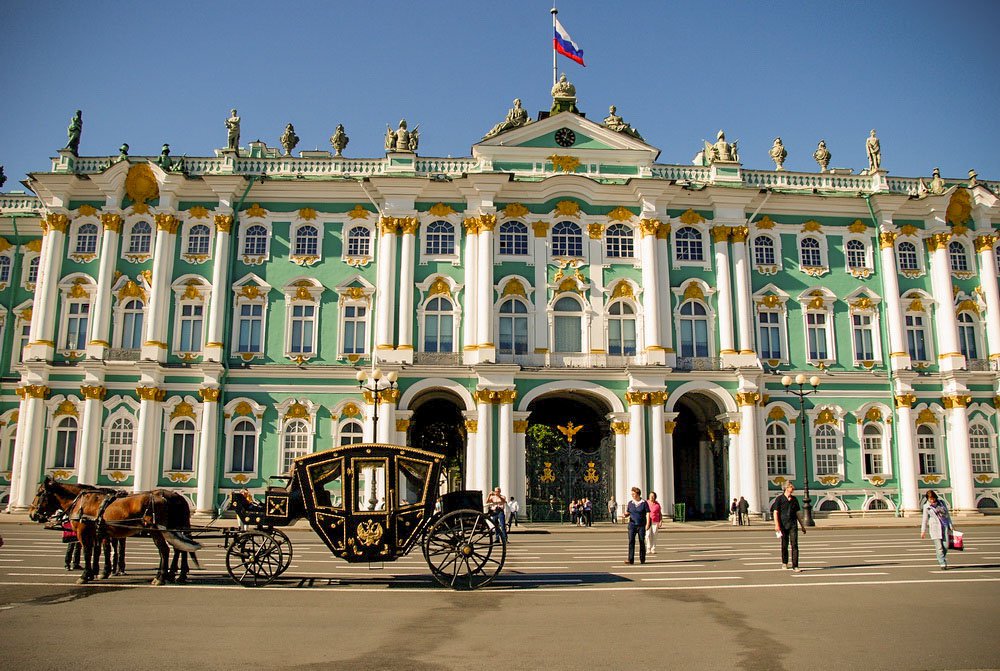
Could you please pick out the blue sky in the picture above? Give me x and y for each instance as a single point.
(924, 74)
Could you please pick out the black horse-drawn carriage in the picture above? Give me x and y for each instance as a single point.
(369, 502)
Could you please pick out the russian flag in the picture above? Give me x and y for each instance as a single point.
(565, 45)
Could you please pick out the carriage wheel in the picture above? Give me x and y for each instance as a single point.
(285, 543)
(254, 559)
(464, 550)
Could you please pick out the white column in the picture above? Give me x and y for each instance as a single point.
(749, 450)
(663, 280)
(669, 492)
(401, 426)
(898, 353)
(28, 446)
(959, 453)
(988, 280)
(154, 346)
(90, 434)
(598, 342)
(541, 296)
(658, 472)
(220, 289)
(41, 343)
(731, 422)
(706, 466)
(949, 353)
(635, 459)
(387, 416)
(908, 472)
(208, 450)
(484, 288)
(484, 444)
(720, 234)
(384, 298)
(100, 315)
(650, 294)
(471, 449)
(368, 429)
(146, 453)
(519, 487)
(505, 441)
(406, 288)
(470, 312)
(620, 427)
(744, 302)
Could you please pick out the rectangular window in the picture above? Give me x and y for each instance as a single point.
(303, 323)
(864, 338)
(873, 455)
(76, 326)
(192, 320)
(354, 329)
(250, 327)
(132, 330)
(927, 455)
(826, 463)
(819, 348)
(183, 454)
(770, 335)
(916, 337)
(569, 337)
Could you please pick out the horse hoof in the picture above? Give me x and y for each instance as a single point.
(82, 580)
(157, 581)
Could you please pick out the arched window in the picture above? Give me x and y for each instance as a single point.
(513, 238)
(141, 238)
(567, 239)
(763, 251)
(295, 444)
(871, 450)
(827, 445)
(828, 506)
(121, 438)
(439, 323)
(958, 256)
(986, 502)
(856, 254)
(927, 452)
(4, 269)
(255, 241)
(809, 253)
(687, 244)
(776, 447)
(568, 323)
(199, 239)
(621, 329)
(307, 241)
(244, 448)
(968, 336)
(878, 504)
(132, 315)
(352, 433)
(182, 455)
(86, 239)
(66, 436)
(694, 329)
(440, 239)
(513, 327)
(358, 241)
(619, 243)
(907, 256)
(981, 445)
(33, 270)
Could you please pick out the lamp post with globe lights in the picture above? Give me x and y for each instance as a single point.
(802, 392)
(376, 384)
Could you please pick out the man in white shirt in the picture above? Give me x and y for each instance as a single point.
(514, 507)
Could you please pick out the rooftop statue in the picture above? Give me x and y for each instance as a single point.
(563, 96)
(339, 140)
(778, 154)
(616, 123)
(122, 152)
(517, 116)
(937, 184)
(73, 133)
(401, 139)
(233, 132)
(874, 151)
(722, 151)
(289, 139)
(164, 160)
(973, 178)
(822, 156)
(3, 177)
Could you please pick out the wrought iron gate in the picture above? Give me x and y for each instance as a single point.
(560, 474)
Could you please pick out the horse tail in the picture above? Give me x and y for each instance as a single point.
(181, 542)
(194, 560)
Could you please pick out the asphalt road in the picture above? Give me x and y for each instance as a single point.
(866, 599)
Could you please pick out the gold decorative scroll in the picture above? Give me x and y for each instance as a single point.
(690, 217)
(358, 213)
(620, 213)
(182, 409)
(567, 208)
(307, 213)
(857, 227)
(564, 163)
(256, 211)
(540, 228)
(141, 184)
(515, 210)
(514, 287)
(441, 210)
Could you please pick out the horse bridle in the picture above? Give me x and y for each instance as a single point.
(39, 512)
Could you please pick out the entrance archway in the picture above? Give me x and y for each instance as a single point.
(557, 471)
(701, 455)
(437, 425)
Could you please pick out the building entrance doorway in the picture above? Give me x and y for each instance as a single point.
(701, 452)
(437, 426)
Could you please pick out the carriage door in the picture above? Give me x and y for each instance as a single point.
(370, 537)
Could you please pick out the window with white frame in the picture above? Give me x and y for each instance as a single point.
(818, 336)
(689, 244)
(182, 446)
(131, 316)
(777, 449)
(996, 257)
(302, 318)
(619, 242)
(917, 336)
(351, 433)
(763, 251)
(255, 241)
(567, 240)
(192, 321)
(857, 254)
(928, 460)
(121, 438)
(981, 445)
(439, 239)
(199, 240)
(439, 325)
(959, 257)
(354, 320)
(872, 450)
(906, 257)
(863, 332)
(86, 240)
(22, 332)
(513, 238)
(621, 328)
(693, 329)
(31, 277)
(4, 270)
(7, 451)
(243, 448)
(568, 323)
(140, 239)
(250, 328)
(296, 442)
(769, 321)
(810, 254)
(64, 450)
(359, 242)
(513, 327)
(306, 241)
(968, 334)
(77, 318)
(826, 443)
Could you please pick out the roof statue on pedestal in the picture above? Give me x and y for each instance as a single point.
(973, 178)
(164, 160)
(937, 186)
(73, 133)
(122, 153)
(874, 151)
(3, 177)
(617, 124)
(563, 96)
(233, 132)
(722, 151)
(517, 116)
(289, 139)
(339, 140)
(402, 139)
(778, 154)
(822, 156)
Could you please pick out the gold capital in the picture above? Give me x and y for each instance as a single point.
(388, 225)
(151, 394)
(33, 391)
(905, 400)
(166, 222)
(93, 392)
(471, 425)
(409, 225)
(956, 401)
(739, 233)
(668, 427)
(747, 398)
(55, 222)
(620, 428)
(111, 222)
(223, 223)
(209, 394)
(595, 231)
(649, 226)
(984, 243)
(657, 397)
(886, 240)
(471, 225)
(663, 231)
(938, 241)
(402, 424)
(487, 222)
(732, 427)
(541, 228)
(520, 425)
(720, 233)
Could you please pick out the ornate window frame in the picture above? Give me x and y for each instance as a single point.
(918, 253)
(767, 268)
(75, 289)
(123, 292)
(629, 239)
(357, 260)
(306, 218)
(175, 410)
(197, 257)
(819, 300)
(118, 408)
(302, 291)
(250, 290)
(128, 230)
(31, 254)
(235, 412)
(258, 219)
(7, 252)
(8, 436)
(864, 304)
(878, 415)
(343, 414)
(427, 220)
(583, 313)
(970, 308)
(699, 291)
(74, 239)
(22, 331)
(969, 256)
(772, 300)
(568, 239)
(518, 288)
(702, 229)
(917, 303)
(635, 316)
(354, 292)
(291, 411)
(784, 415)
(501, 255)
(439, 286)
(832, 416)
(822, 248)
(192, 290)
(61, 409)
(931, 417)
(864, 271)
(528, 315)
(979, 419)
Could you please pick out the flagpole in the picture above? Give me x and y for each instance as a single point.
(555, 65)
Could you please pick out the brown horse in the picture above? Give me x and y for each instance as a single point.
(98, 513)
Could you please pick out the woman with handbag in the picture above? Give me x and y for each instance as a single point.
(937, 520)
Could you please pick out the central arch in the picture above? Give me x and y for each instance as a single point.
(701, 450)
(437, 425)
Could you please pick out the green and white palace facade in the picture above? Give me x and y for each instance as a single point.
(198, 328)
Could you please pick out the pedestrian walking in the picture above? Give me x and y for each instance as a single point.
(937, 520)
(638, 523)
(613, 510)
(734, 513)
(496, 502)
(515, 508)
(655, 517)
(787, 519)
(743, 510)
(572, 512)
(73, 547)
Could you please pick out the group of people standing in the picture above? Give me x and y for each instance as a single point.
(739, 512)
(581, 512)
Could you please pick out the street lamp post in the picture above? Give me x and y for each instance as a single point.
(802, 392)
(377, 384)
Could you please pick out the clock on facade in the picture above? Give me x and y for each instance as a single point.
(565, 137)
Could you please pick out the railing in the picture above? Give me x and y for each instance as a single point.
(698, 363)
(980, 365)
(802, 180)
(120, 354)
(13, 202)
(437, 358)
(691, 173)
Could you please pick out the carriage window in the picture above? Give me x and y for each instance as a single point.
(411, 478)
(369, 489)
(328, 483)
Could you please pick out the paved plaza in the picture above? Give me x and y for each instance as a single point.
(867, 598)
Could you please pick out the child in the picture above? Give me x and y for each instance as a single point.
(73, 550)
